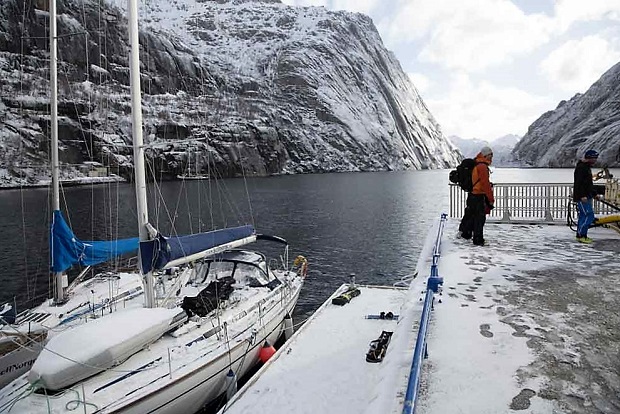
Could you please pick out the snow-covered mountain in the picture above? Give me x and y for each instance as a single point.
(240, 85)
(590, 120)
(506, 141)
(502, 148)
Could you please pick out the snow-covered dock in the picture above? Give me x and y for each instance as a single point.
(323, 368)
(527, 323)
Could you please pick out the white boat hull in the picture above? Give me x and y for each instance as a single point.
(190, 393)
(18, 362)
(153, 381)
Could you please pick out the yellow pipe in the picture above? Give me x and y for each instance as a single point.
(615, 218)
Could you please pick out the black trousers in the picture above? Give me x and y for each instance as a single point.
(474, 218)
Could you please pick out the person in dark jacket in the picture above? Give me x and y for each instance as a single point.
(583, 193)
(480, 201)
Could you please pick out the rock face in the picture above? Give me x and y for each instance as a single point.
(590, 120)
(229, 87)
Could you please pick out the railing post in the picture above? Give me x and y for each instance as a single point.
(506, 216)
(548, 215)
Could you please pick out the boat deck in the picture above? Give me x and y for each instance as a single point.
(527, 323)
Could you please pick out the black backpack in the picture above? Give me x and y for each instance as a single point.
(462, 174)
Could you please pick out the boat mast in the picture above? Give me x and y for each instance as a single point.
(138, 148)
(58, 276)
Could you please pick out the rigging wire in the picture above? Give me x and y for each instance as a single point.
(50, 280)
(245, 353)
(228, 345)
(117, 222)
(159, 197)
(210, 206)
(21, 156)
(245, 181)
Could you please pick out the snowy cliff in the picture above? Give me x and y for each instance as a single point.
(590, 120)
(228, 85)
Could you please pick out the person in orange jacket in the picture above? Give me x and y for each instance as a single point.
(480, 201)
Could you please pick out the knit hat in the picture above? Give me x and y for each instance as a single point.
(486, 151)
(591, 154)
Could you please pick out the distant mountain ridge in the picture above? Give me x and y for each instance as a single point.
(502, 148)
(560, 137)
(243, 85)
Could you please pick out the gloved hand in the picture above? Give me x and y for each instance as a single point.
(600, 197)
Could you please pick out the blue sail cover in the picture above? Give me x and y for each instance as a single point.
(155, 254)
(67, 250)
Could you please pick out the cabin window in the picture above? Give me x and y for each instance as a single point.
(251, 275)
(218, 270)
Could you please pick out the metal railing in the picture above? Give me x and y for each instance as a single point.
(432, 286)
(524, 202)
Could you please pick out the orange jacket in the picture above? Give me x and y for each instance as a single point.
(480, 178)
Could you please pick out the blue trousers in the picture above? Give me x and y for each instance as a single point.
(585, 215)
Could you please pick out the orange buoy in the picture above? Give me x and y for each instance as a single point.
(266, 352)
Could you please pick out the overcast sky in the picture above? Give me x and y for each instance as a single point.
(487, 68)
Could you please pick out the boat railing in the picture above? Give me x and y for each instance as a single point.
(432, 286)
(526, 202)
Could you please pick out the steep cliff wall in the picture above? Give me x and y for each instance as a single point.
(253, 86)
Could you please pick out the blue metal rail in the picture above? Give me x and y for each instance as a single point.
(432, 285)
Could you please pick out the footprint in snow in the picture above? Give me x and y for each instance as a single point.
(522, 401)
(485, 330)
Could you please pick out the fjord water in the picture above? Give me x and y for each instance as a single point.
(372, 225)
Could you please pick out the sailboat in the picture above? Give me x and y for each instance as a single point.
(201, 327)
(23, 335)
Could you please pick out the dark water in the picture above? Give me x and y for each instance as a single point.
(370, 224)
